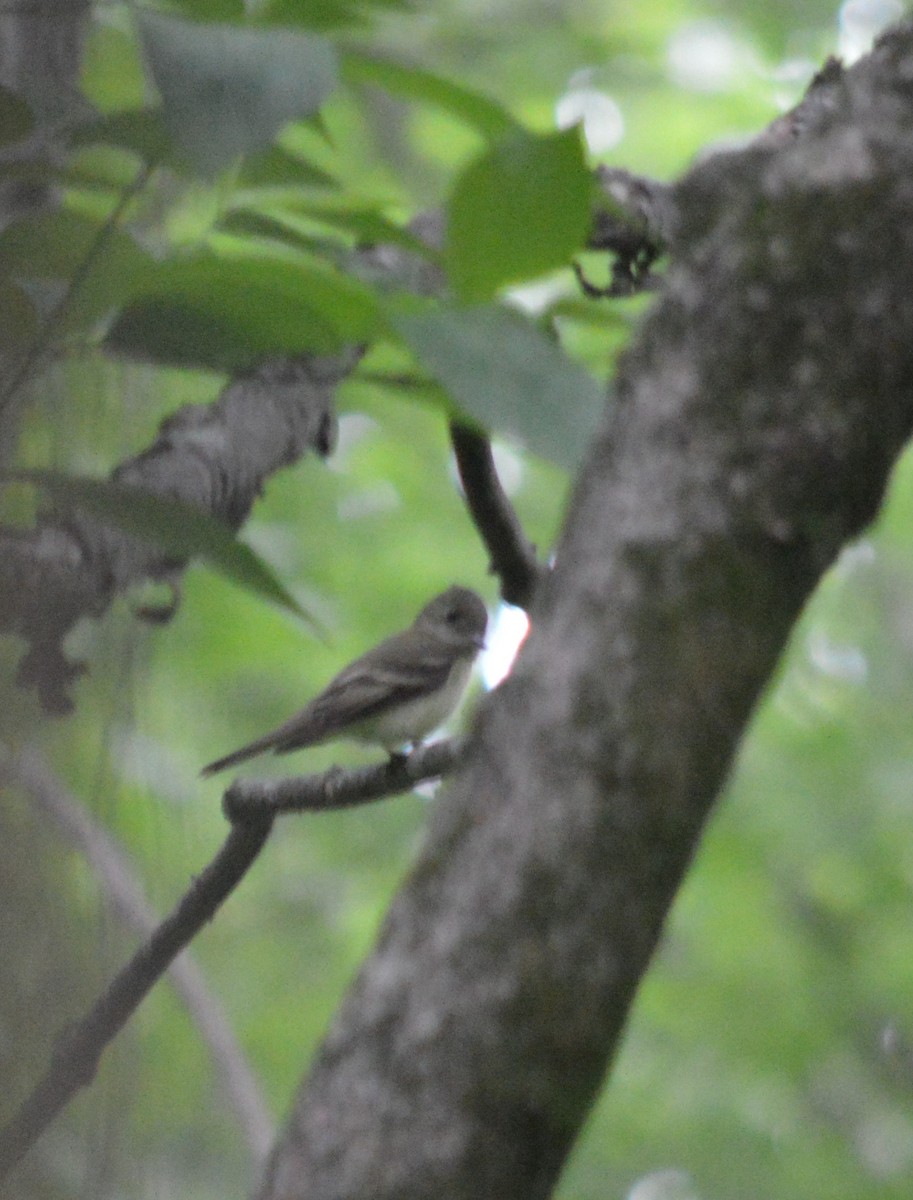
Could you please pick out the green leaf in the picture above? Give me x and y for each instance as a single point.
(228, 90)
(16, 118)
(226, 313)
(252, 223)
(484, 115)
(277, 167)
(172, 525)
(97, 177)
(211, 10)
(323, 14)
(522, 208)
(171, 334)
(507, 375)
(297, 223)
(18, 318)
(141, 130)
(55, 245)
(112, 76)
(365, 224)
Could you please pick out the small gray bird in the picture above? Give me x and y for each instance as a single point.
(396, 693)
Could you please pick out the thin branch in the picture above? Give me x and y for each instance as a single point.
(121, 888)
(215, 457)
(251, 806)
(513, 556)
(29, 361)
(638, 217)
(259, 799)
(634, 225)
(79, 1048)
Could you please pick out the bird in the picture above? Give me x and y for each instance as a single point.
(395, 694)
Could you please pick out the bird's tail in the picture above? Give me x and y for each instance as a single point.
(237, 756)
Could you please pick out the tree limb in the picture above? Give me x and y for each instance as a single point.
(634, 223)
(251, 806)
(121, 888)
(79, 1048)
(50, 324)
(217, 457)
(755, 423)
(512, 555)
(214, 456)
(341, 787)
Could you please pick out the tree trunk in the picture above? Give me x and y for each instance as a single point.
(751, 433)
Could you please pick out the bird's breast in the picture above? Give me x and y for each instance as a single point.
(413, 720)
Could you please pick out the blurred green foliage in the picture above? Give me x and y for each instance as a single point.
(770, 1052)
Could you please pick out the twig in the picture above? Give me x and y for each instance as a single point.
(79, 1048)
(261, 799)
(251, 805)
(634, 225)
(638, 217)
(123, 891)
(513, 556)
(45, 332)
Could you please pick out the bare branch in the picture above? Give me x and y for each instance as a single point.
(634, 225)
(638, 219)
(512, 555)
(340, 787)
(251, 806)
(50, 325)
(215, 457)
(122, 889)
(79, 1048)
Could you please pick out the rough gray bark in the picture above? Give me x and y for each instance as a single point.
(215, 457)
(753, 428)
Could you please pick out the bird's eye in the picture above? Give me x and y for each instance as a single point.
(453, 615)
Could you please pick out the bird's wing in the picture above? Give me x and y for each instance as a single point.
(382, 679)
(386, 676)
